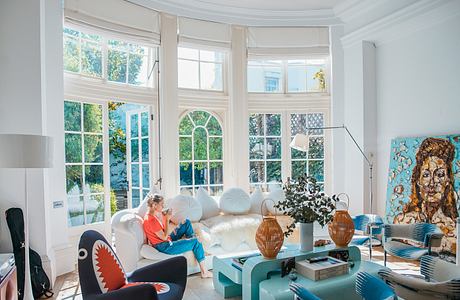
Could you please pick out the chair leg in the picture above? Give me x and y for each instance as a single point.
(370, 250)
(384, 258)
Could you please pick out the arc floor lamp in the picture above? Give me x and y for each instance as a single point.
(26, 152)
(301, 142)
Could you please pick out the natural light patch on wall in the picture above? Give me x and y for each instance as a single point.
(200, 153)
(200, 69)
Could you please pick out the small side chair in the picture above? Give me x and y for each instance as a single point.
(102, 276)
(425, 234)
(368, 230)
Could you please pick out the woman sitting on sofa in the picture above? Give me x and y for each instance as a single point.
(156, 224)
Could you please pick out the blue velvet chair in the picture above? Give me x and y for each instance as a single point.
(102, 276)
(368, 230)
(367, 286)
(425, 234)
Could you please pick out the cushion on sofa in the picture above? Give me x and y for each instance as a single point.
(208, 204)
(276, 195)
(184, 207)
(256, 199)
(142, 208)
(235, 201)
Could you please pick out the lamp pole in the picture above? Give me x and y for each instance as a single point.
(369, 163)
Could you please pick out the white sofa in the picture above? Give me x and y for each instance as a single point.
(220, 235)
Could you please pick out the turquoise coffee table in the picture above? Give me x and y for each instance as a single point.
(260, 277)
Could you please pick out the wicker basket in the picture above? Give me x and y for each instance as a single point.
(269, 235)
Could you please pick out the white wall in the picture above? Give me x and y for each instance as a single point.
(418, 90)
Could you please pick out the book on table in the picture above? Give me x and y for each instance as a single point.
(238, 262)
(323, 269)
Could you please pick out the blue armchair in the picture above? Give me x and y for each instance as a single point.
(427, 235)
(102, 276)
(369, 229)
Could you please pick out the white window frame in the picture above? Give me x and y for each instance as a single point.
(208, 161)
(224, 64)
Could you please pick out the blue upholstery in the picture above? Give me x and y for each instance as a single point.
(370, 227)
(427, 235)
(301, 292)
(370, 287)
(102, 276)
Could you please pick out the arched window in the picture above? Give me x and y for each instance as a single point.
(200, 152)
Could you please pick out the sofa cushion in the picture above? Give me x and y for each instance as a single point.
(185, 207)
(277, 195)
(235, 201)
(208, 204)
(256, 199)
(230, 231)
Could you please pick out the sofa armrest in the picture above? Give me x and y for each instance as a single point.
(170, 270)
(433, 240)
(142, 291)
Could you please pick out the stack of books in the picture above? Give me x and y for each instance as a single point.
(321, 268)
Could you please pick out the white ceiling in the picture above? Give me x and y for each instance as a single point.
(252, 12)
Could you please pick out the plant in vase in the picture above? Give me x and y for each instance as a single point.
(305, 203)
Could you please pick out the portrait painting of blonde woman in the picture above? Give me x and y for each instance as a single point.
(424, 184)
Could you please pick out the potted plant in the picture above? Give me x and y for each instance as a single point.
(305, 203)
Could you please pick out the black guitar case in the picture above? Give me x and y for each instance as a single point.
(40, 281)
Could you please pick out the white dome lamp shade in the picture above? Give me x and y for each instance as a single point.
(300, 142)
(26, 151)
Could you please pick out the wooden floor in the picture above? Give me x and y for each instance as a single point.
(67, 286)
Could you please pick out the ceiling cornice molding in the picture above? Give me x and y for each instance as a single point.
(243, 16)
(419, 15)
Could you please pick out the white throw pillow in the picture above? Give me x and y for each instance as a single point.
(209, 205)
(235, 201)
(276, 195)
(185, 207)
(257, 197)
(142, 208)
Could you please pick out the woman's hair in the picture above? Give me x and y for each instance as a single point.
(153, 198)
(444, 150)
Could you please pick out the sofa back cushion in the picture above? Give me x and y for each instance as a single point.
(208, 204)
(185, 207)
(256, 199)
(235, 201)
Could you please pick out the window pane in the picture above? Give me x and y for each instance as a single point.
(273, 124)
(256, 124)
(134, 125)
(273, 148)
(211, 76)
(201, 173)
(255, 80)
(74, 180)
(72, 148)
(199, 117)
(136, 197)
(188, 76)
(94, 178)
(75, 209)
(114, 44)
(135, 175)
(257, 171)
(297, 81)
(200, 144)
(216, 190)
(71, 32)
(72, 116)
(186, 126)
(213, 56)
(216, 173)
(265, 76)
(256, 148)
(94, 208)
(116, 66)
(138, 69)
(93, 148)
(145, 124)
(145, 149)
(135, 150)
(185, 148)
(315, 79)
(316, 169)
(215, 148)
(299, 168)
(91, 60)
(298, 154)
(316, 149)
(185, 173)
(92, 118)
(298, 124)
(273, 171)
(71, 54)
(145, 176)
(187, 53)
(91, 37)
(214, 127)
(314, 121)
